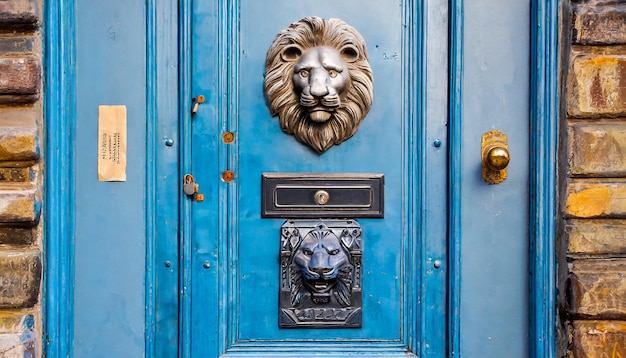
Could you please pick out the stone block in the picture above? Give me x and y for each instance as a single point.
(17, 236)
(597, 82)
(17, 44)
(586, 198)
(18, 204)
(599, 25)
(598, 339)
(597, 149)
(20, 79)
(18, 144)
(23, 116)
(20, 278)
(593, 237)
(15, 175)
(597, 289)
(19, 14)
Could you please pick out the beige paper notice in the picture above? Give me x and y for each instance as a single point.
(112, 143)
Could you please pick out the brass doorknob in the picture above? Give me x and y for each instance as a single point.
(497, 158)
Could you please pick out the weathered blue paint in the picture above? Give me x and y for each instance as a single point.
(151, 209)
(185, 244)
(163, 180)
(110, 217)
(59, 107)
(544, 122)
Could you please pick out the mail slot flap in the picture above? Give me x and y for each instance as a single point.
(322, 195)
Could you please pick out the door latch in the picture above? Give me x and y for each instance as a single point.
(195, 103)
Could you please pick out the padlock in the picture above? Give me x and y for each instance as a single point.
(189, 186)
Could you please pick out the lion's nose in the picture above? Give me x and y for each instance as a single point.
(318, 87)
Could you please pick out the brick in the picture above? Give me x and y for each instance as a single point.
(18, 144)
(19, 76)
(18, 204)
(19, 14)
(597, 339)
(17, 236)
(599, 25)
(20, 278)
(594, 237)
(597, 289)
(16, 322)
(597, 149)
(597, 82)
(596, 198)
(17, 44)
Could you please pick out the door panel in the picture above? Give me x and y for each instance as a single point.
(494, 250)
(244, 277)
(109, 266)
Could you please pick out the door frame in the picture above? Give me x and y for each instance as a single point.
(59, 176)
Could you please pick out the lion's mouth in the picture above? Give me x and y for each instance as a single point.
(320, 290)
(319, 115)
(321, 286)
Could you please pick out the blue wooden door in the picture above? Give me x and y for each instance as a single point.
(443, 273)
(234, 269)
(414, 299)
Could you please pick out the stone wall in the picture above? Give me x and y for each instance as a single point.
(594, 184)
(20, 178)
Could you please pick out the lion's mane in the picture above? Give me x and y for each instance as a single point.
(283, 101)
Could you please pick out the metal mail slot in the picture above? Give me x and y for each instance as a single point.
(322, 195)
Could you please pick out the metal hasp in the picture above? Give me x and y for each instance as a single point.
(318, 81)
(495, 157)
(320, 255)
(320, 274)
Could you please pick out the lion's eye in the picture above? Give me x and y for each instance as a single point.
(333, 252)
(332, 73)
(307, 251)
(304, 73)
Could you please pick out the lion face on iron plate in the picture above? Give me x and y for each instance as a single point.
(323, 261)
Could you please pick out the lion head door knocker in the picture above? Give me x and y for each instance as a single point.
(318, 81)
(321, 274)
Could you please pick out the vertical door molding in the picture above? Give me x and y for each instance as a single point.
(544, 119)
(162, 178)
(455, 152)
(60, 121)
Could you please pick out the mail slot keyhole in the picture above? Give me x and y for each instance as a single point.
(321, 197)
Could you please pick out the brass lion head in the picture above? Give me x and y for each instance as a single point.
(318, 81)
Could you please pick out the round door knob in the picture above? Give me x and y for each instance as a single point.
(497, 158)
